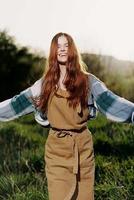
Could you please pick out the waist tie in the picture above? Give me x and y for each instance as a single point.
(75, 167)
(62, 133)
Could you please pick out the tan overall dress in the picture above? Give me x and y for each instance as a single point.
(69, 155)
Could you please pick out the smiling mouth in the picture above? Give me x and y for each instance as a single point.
(62, 55)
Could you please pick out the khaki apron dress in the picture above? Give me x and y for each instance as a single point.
(69, 154)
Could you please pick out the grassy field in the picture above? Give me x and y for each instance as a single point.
(22, 175)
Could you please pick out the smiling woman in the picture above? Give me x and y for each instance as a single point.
(62, 58)
(66, 97)
(62, 53)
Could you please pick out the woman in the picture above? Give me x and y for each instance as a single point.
(67, 97)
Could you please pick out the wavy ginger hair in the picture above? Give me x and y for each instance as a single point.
(76, 81)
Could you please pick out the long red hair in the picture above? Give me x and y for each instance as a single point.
(76, 81)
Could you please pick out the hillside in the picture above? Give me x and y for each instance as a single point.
(113, 63)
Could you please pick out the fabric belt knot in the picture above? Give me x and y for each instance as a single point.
(61, 134)
(70, 130)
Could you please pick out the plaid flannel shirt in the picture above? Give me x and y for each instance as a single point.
(100, 98)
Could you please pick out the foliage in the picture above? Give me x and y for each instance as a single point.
(122, 86)
(17, 67)
(119, 83)
(94, 65)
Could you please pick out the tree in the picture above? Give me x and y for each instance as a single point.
(94, 65)
(18, 67)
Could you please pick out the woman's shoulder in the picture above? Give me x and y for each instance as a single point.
(92, 78)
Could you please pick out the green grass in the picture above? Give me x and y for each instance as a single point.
(22, 175)
(114, 155)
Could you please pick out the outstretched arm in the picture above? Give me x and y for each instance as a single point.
(20, 104)
(111, 105)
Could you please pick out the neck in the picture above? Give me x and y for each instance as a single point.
(62, 70)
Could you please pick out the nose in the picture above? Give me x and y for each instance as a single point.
(62, 48)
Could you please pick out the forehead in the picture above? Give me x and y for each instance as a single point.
(62, 40)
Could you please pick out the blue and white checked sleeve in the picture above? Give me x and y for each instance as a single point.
(20, 104)
(111, 105)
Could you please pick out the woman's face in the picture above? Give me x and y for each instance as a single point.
(62, 50)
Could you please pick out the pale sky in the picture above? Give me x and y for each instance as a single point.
(99, 26)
